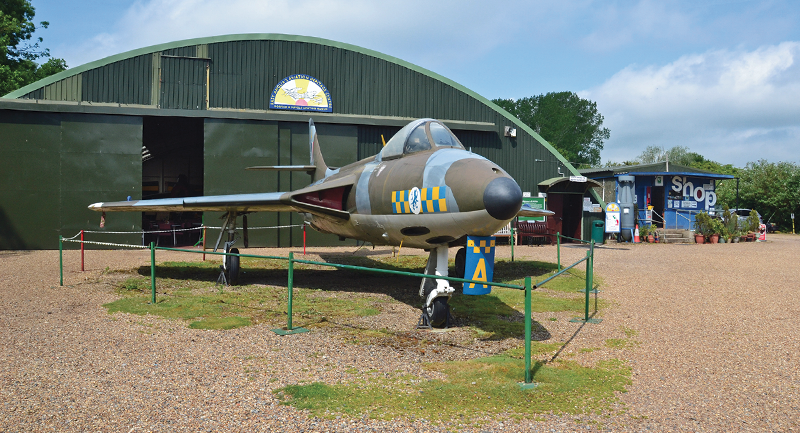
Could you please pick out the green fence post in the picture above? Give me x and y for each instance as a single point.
(528, 377)
(291, 283)
(289, 329)
(152, 273)
(61, 259)
(591, 265)
(558, 249)
(588, 284)
(528, 384)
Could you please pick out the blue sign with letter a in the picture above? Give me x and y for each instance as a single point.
(480, 264)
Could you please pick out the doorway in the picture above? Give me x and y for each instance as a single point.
(657, 201)
(172, 166)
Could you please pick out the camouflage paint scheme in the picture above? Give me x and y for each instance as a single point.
(458, 193)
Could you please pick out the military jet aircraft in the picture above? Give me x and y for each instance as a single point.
(422, 190)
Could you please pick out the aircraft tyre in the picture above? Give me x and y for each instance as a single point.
(232, 265)
(438, 311)
(461, 264)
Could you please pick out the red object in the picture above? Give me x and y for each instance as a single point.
(636, 234)
(304, 239)
(330, 198)
(204, 243)
(81, 250)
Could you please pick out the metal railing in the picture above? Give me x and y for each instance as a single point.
(527, 287)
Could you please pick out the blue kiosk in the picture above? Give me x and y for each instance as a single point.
(668, 195)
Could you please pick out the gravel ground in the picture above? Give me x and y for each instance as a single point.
(717, 349)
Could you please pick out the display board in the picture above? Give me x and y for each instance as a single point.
(536, 203)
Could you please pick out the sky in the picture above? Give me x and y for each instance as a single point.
(721, 77)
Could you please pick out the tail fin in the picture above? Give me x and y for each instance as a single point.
(321, 170)
(317, 168)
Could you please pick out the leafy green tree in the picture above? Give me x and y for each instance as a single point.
(682, 156)
(18, 56)
(568, 122)
(773, 189)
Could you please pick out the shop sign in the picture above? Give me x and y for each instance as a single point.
(692, 196)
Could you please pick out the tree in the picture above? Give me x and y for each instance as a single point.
(569, 123)
(677, 154)
(773, 189)
(18, 57)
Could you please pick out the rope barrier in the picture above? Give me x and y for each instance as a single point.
(143, 231)
(69, 239)
(179, 230)
(105, 243)
(260, 228)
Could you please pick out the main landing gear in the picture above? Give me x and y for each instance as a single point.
(229, 270)
(435, 293)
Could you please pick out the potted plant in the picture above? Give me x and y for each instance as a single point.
(715, 227)
(701, 227)
(753, 224)
(644, 233)
(731, 223)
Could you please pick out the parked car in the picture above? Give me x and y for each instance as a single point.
(744, 213)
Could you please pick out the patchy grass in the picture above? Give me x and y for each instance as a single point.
(484, 387)
(186, 291)
(189, 293)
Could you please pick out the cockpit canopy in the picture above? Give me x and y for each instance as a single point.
(417, 136)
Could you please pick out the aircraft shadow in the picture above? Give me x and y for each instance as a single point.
(487, 313)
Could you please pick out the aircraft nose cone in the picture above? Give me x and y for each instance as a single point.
(502, 198)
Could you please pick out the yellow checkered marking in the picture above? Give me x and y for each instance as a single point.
(433, 200)
(477, 248)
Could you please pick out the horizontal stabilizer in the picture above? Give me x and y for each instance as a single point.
(310, 169)
(528, 211)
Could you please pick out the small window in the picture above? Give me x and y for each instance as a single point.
(417, 141)
(442, 137)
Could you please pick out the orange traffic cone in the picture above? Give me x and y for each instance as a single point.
(636, 234)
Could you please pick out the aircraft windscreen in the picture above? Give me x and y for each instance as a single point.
(417, 141)
(442, 137)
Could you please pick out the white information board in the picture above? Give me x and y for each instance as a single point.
(612, 218)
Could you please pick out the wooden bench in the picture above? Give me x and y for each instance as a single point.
(535, 231)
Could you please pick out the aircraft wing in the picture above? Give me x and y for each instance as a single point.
(271, 201)
(527, 211)
(317, 199)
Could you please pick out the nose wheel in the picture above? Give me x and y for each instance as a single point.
(435, 293)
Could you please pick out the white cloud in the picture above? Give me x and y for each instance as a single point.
(438, 32)
(616, 26)
(732, 106)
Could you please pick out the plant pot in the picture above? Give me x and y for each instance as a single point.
(700, 239)
(651, 238)
(735, 240)
(714, 239)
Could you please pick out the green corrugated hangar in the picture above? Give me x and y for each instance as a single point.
(192, 115)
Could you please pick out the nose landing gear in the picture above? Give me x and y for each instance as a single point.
(435, 293)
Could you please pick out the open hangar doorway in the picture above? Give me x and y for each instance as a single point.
(172, 166)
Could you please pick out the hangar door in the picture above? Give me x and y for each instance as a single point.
(232, 145)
